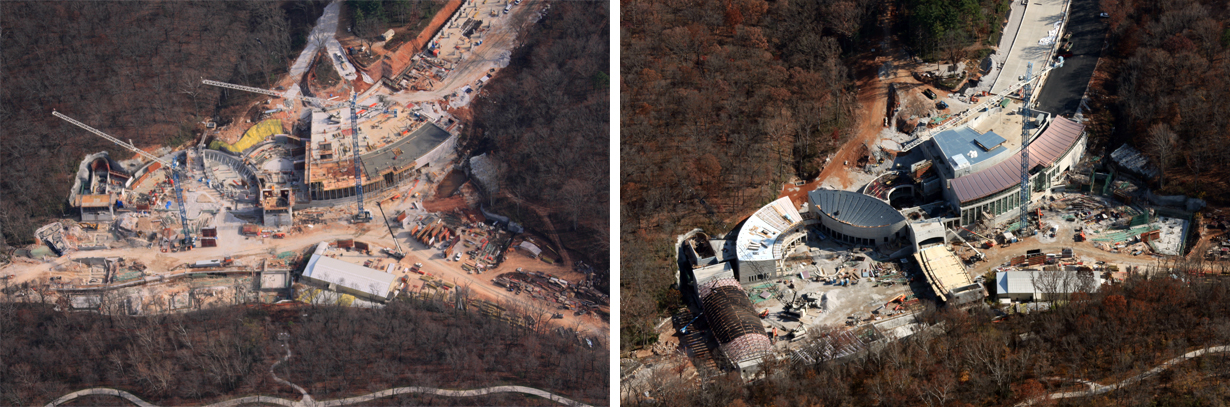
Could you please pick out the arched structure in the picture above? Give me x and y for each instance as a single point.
(857, 218)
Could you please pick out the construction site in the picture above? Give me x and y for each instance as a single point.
(956, 193)
(351, 194)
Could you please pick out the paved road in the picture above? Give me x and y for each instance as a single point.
(1062, 92)
(1037, 22)
(326, 28)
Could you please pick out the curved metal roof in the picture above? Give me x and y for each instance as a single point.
(1047, 148)
(854, 208)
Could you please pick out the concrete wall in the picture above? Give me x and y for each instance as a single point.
(755, 272)
(922, 231)
(279, 218)
(873, 236)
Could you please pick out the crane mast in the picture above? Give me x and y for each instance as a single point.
(172, 167)
(1026, 119)
(360, 216)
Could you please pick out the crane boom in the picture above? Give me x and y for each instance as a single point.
(172, 167)
(319, 101)
(111, 139)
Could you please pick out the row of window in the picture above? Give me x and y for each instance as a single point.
(857, 240)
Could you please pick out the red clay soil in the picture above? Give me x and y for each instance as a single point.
(798, 195)
(445, 204)
(872, 96)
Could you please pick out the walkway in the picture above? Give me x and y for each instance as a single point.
(307, 401)
(1096, 389)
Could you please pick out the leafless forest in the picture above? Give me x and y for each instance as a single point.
(208, 356)
(1162, 85)
(721, 102)
(546, 119)
(131, 68)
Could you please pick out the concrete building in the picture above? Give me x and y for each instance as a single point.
(994, 192)
(98, 187)
(1033, 285)
(346, 277)
(399, 159)
(765, 237)
(277, 205)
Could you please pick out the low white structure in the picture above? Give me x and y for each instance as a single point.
(1032, 285)
(347, 277)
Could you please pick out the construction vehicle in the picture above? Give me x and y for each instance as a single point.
(172, 167)
(399, 254)
(361, 216)
(88, 225)
(978, 256)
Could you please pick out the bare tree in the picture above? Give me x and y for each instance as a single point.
(1161, 142)
(1047, 283)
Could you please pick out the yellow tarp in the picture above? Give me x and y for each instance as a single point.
(255, 135)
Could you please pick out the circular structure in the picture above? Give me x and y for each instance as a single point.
(857, 218)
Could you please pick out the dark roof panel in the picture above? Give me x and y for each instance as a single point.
(855, 208)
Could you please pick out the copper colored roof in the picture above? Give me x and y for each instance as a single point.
(1045, 149)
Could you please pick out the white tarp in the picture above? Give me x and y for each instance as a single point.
(531, 247)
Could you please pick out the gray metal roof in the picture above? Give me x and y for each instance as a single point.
(854, 208)
(413, 146)
(989, 140)
(962, 142)
(1045, 150)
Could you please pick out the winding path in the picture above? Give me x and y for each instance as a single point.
(1095, 388)
(307, 401)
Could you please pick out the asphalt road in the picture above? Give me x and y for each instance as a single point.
(1061, 94)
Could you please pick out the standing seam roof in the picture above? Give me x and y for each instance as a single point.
(855, 208)
(1046, 149)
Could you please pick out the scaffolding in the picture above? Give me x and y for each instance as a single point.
(735, 324)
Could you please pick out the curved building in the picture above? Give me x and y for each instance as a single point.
(764, 237)
(733, 321)
(859, 219)
(994, 192)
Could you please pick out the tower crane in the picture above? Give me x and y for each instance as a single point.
(1026, 120)
(361, 216)
(172, 167)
